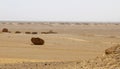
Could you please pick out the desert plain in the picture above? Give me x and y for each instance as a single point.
(70, 47)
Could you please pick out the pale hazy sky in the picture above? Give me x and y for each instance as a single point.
(60, 10)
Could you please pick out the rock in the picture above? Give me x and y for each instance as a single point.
(17, 32)
(5, 30)
(49, 32)
(37, 41)
(34, 32)
(27, 32)
(113, 50)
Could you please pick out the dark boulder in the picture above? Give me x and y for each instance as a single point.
(37, 41)
(4, 30)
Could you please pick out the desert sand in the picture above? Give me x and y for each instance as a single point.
(75, 46)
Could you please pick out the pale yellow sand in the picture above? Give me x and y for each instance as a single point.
(72, 43)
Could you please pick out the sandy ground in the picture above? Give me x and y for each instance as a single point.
(74, 42)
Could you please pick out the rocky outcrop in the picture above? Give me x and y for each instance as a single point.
(113, 50)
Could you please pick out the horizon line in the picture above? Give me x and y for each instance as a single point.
(60, 21)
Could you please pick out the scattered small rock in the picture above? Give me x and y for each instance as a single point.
(34, 32)
(27, 32)
(17, 32)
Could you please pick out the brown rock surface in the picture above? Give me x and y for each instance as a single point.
(17, 32)
(4, 30)
(37, 41)
(113, 50)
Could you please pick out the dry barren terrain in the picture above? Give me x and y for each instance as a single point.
(72, 43)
